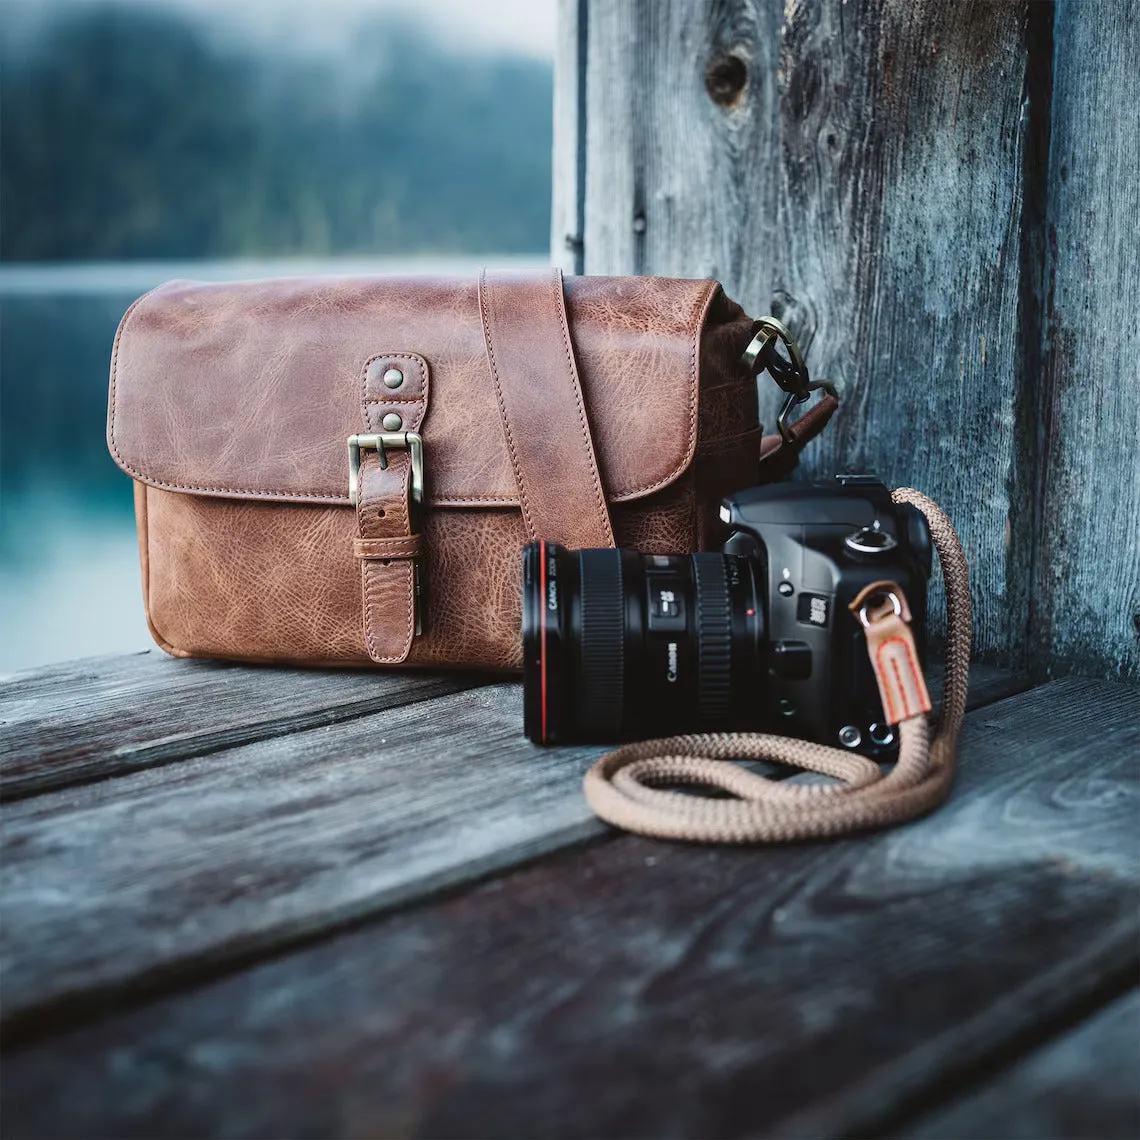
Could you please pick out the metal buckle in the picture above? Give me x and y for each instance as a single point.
(790, 374)
(381, 443)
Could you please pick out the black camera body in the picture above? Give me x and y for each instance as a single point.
(819, 545)
(756, 636)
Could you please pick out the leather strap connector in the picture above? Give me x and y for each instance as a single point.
(388, 548)
(884, 614)
(779, 456)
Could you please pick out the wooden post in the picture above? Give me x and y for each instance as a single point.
(1086, 596)
(566, 220)
(873, 174)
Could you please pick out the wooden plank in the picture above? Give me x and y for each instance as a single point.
(676, 151)
(126, 883)
(1087, 572)
(245, 849)
(109, 716)
(1084, 1084)
(569, 173)
(856, 169)
(988, 684)
(642, 989)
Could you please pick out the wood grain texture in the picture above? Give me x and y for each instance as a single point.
(124, 883)
(168, 873)
(864, 184)
(1086, 593)
(988, 684)
(642, 989)
(1084, 1085)
(109, 716)
(569, 155)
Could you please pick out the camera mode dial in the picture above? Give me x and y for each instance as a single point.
(870, 540)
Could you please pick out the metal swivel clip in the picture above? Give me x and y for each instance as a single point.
(790, 371)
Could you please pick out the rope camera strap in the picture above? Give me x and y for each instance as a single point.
(633, 787)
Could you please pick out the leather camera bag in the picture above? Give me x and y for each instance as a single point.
(344, 471)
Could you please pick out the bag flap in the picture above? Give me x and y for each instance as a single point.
(250, 389)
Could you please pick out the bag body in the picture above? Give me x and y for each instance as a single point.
(587, 411)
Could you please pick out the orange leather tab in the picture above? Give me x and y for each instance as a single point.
(385, 542)
(543, 412)
(883, 612)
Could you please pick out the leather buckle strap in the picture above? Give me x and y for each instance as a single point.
(386, 485)
(543, 410)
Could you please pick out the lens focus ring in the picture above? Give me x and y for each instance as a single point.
(714, 640)
(603, 641)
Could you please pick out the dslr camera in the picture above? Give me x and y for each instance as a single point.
(619, 645)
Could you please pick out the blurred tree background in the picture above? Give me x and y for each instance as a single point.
(128, 132)
(214, 139)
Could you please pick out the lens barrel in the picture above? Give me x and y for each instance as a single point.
(619, 645)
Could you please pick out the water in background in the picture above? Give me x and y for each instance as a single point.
(361, 134)
(69, 574)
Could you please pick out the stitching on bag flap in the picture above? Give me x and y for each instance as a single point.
(695, 325)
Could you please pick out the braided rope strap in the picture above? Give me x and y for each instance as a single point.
(624, 786)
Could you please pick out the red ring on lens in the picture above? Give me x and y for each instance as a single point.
(542, 630)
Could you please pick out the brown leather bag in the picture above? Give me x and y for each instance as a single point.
(344, 471)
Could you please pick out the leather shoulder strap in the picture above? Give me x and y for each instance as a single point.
(544, 415)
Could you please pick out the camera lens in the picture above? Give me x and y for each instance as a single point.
(621, 645)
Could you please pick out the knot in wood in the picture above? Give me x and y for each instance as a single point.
(725, 79)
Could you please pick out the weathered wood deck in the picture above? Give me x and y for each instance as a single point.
(265, 903)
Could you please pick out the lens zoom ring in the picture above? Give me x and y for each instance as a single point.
(714, 640)
(603, 641)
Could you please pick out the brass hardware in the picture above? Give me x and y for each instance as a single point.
(393, 378)
(382, 443)
(410, 441)
(790, 374)
(793, 400)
